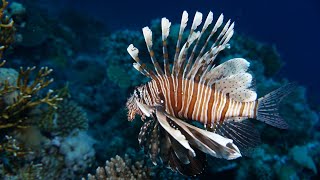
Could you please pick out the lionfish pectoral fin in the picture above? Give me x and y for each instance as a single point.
(195, 167)
(175, 150)
(243, 134)
(174, 132)
(183, 160)
(208, 142)
(182, 153)
(149, 139)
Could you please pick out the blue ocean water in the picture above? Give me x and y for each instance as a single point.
(289, 25)
(85, 42)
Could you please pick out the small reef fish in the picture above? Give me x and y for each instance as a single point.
(195, 89)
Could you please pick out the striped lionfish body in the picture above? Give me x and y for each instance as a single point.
(188, 99)
(221, 97)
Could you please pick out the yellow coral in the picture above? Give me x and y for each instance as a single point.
(7, 30)
(26, 99)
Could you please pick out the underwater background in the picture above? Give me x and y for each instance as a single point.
(65, 120)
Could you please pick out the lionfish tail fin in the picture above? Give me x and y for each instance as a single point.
(268, 106)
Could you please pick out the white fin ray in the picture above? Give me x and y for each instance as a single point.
(227, 34)
(184, 50)
(175, 133)
(147, 110)
(196, 20)
(223, 31)
(184, 21)
(183, 25)
(208, 21)
(222, 147)
(223, 38)
(134, 53)
(147, 33)
(139, 68)
(213, 31)
(183, 63)
(218, 23)
(197, 65)
(165, 25)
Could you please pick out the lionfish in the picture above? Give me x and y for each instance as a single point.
(195, 89)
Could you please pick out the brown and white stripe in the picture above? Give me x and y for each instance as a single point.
(200, 102)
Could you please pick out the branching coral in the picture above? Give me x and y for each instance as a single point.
(7, 29)
(26, 99)
(119, 168)
(11, 147)
(31, 171)
(67, 117)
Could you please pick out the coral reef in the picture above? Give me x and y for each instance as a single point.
(29, 149)
(70, 116)
(78, 152)
(45, 137)
(119, 168)
(20, 99)
(301, 156)
(7, 30)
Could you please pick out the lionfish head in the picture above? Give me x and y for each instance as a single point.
(132, 106)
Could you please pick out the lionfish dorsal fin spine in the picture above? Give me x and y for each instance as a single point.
(206, 59)
(165, 26)
(134, 53)
(186, 66)
(147, 33)
(183, 25)
(208, 21)
(182, 65)
(213, 31)
(141, 67)
(184, 52)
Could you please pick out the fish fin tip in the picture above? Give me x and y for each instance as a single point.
(268, 106)
(243, 134)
